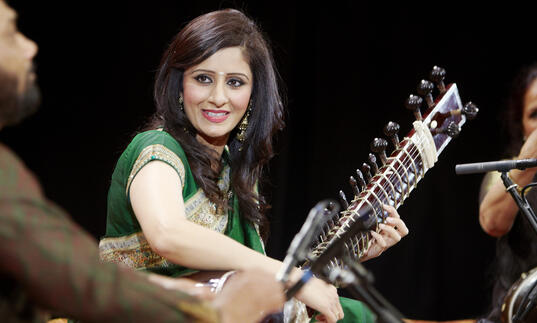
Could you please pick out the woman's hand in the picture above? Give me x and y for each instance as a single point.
(391, 233)
(322, 297)
(249, 296)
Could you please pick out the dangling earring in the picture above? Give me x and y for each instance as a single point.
(243, 126)
(181, 106)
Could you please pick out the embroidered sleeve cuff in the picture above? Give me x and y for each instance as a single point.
(156, 152)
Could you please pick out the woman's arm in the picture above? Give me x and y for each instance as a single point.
(156, 198)
(498, 210)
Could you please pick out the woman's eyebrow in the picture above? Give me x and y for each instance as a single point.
(220, 73)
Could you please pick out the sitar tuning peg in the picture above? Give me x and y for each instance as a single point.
(378, 146)
(329, 211)
(373, 163)
(424, 89)
(451, 130)
(470, 110)
(354, 186)
(367, 172)
(330, 207)
(437, 75)
(391, 130)
(361, 179)
(413, 103)
(343, 200)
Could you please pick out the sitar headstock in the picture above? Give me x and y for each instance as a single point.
(389, 178)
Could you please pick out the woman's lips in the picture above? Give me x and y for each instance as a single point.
(215, 116)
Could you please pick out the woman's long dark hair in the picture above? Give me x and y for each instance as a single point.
(515, 108)
(197, 41)
(516, 252)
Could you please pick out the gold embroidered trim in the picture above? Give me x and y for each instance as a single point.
(200, 210)
(156, 152)
(133, 251)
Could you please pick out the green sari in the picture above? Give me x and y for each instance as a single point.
(124, 241)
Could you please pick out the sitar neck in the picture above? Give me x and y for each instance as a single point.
(392, 181)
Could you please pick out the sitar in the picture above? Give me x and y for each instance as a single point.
(389, 179)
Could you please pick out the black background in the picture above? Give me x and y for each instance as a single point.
(347, 68)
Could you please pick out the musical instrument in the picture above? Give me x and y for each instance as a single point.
(392, 181)
(397, 175)
(521, 299)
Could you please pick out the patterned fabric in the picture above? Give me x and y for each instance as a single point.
(199, 209)
(49, 262)
(132, 250)
(156, 152)
(125, 242)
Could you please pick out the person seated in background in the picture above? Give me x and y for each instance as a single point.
(499, 216)
(50, 266)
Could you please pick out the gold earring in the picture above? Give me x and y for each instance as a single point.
(181, 106)
(243, 126)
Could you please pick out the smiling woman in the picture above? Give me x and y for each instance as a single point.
(184, 196)
(216, 94)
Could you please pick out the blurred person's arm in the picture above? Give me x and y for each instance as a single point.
(497, 210)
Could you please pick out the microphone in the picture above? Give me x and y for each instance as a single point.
(500, 166)
(301, 244)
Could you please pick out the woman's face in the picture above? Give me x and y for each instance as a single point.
(529, 115)
(216, 94)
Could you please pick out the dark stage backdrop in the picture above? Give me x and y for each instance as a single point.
(347, 68)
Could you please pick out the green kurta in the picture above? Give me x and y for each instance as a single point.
(124, 241)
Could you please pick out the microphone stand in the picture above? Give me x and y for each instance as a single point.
(531, 298)
(359, 282)
(521, 201)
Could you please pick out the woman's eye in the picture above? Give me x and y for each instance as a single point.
(235, 82)
(533, 114)
(203, 79)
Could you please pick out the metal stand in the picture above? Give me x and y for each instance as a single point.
(529, 301)
(520, 200)
(360, 284)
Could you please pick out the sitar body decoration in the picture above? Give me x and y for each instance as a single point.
(393, 179)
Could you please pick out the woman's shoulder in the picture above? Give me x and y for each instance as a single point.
(154, 137)
(151, 144)
(145, 147)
